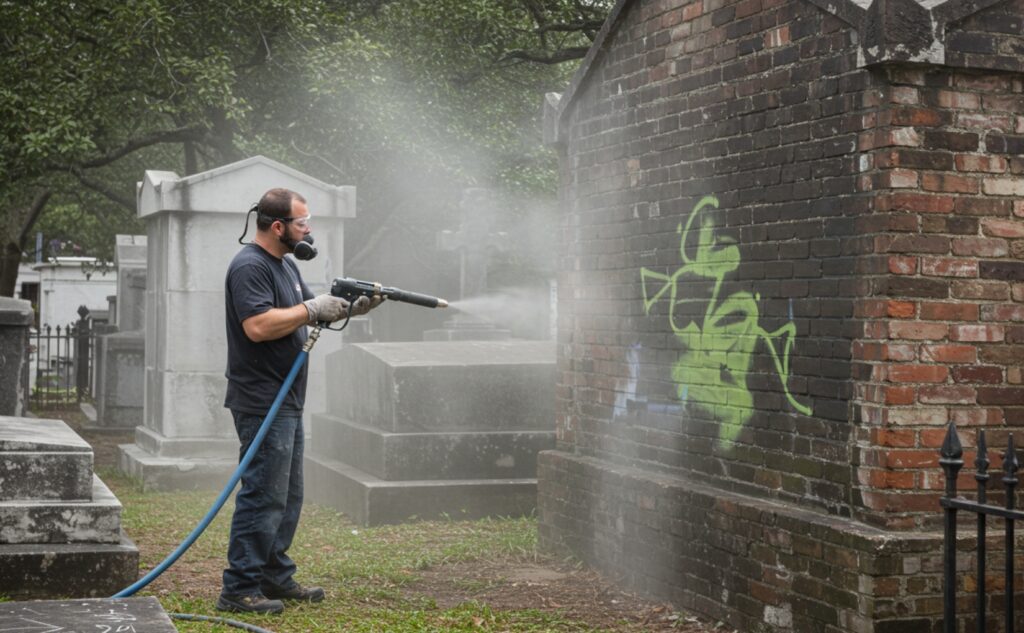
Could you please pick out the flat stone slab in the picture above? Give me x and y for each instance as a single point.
(137, 615)
(85, 570)
(95, 521)
(43, 459)
(444, 386)
(368, 500)
(174, 473)
(437, 455)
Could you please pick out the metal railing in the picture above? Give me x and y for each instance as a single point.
(951, 460)
(61, 364)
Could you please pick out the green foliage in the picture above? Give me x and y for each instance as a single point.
(362, 92)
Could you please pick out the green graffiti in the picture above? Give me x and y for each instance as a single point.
(712, 373)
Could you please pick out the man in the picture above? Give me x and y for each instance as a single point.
(268, 307)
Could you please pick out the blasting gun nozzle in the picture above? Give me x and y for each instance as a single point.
(442, 303)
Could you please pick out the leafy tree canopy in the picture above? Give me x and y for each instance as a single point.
(95, 92)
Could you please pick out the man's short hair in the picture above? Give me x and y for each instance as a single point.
(276, 203)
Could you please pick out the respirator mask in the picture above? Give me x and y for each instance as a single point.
(302, 249)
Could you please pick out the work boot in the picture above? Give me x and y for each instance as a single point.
(248, 603)
(296, 593)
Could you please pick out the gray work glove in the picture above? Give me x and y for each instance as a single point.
(326, 308)
(365, 304)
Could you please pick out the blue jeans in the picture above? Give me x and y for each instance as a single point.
(267, 506)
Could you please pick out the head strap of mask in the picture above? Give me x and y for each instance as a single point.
(302, 249)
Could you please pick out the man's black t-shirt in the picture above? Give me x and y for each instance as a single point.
(256, 282)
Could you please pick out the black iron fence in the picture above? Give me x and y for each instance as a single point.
(951, 460)
(62, 362)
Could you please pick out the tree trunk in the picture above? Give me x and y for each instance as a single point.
(13, 245)
(9, 260)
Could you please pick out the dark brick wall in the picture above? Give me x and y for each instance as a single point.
(760, 381)
(992, 39)
(759, 104)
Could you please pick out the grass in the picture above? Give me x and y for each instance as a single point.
(363, 569)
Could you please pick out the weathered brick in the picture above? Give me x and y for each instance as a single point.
(917, 373)
(980, 247)
(981, 163)
(948, 267)
(933, 311)
(1009, 396)
(917, 331)
(978, 373)
(1003, 186)
(976, 333)
(1002, 313)
(997, 227)
(949, 353)
(950, 183)
(999, 269)
(947, 394)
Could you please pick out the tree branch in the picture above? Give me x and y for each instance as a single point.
(34, 211)
(563, 55)
(103, 190)
(178, 135)
(571, 27)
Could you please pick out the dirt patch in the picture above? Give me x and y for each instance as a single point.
(549, 585)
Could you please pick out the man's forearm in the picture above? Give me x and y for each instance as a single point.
(275, 323)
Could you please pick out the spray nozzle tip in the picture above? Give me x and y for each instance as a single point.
(442, 303)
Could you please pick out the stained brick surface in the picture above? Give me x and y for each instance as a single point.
(783, 273)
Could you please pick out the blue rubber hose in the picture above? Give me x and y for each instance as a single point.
(230, 486)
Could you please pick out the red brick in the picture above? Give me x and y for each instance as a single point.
(914, 202)
(901, 309)
(949, 311)
(902, 265)
(896, 396)
(692, 11)
(985, 122)
(1002, 228)
(949, 183)
(900, 352)
(933, 438)
(870, 308)
(959, 100)
(901, 501)
(988, 374)
(947, 394)
(1002, 312)
(1010, 396)
(976, 333)
(988, 290)
(983, 206)
(1004, 186)
(976, 416)
(982, 163)
(980, 247)
(912, 459)
(880, 478)
(918, 117)
(917, 373)
(948, 267)
(917, 416)
(893, 437)
(868, 351)
(917, 331)
(949, 353)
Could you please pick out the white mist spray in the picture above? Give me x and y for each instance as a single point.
(524, 310)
